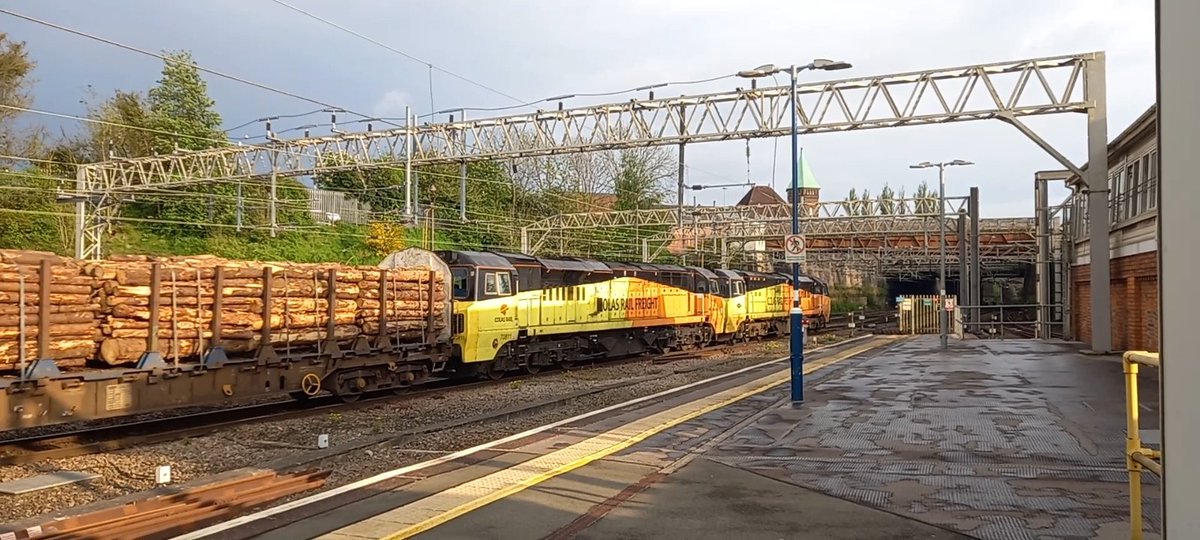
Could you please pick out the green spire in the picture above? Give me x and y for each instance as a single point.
(807, 179)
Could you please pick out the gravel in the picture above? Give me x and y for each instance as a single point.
(132, 470)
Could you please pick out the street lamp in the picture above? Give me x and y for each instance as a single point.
(943, 315)
(796, 315)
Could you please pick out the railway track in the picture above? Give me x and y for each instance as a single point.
(863, 320)
(108, 438)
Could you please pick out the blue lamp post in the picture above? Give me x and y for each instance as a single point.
(796, 315)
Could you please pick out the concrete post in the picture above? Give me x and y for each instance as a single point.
(1098, 223)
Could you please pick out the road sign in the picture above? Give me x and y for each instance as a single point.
(949, 304)
(794, 249)
(906, 305)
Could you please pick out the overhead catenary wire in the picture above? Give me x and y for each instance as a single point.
(305, 98)
(360, 35)
(168, 59)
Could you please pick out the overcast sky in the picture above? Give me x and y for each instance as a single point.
(536, 49)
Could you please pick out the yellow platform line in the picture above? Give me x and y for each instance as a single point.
(429, 512)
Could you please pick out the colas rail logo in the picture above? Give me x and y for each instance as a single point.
(504, 316)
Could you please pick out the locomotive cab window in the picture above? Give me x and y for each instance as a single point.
(461, 282)
(497, 284)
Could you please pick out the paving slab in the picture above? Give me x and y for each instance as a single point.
(44, 481)
(994, 439)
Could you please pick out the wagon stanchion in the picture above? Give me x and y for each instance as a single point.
(199, 320)
(216, 356)
(21, 341)
(396, 294)
(382, 341)
(266, 351)
(331, 343)
(429, 323)
(43, 341)
(175, 323)
(287, 315)
(152, 358)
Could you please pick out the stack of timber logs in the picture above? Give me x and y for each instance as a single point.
(72, 311)
(114, 311)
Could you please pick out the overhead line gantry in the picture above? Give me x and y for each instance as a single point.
(1008, 91)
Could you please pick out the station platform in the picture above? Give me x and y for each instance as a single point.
(896, 439)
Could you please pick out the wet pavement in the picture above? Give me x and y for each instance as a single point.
(992, 439)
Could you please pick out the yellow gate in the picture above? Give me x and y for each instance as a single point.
(919, 314)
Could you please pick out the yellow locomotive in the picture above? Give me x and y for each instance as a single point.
(514, 311)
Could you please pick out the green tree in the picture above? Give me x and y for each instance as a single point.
(380, 187)
(180, 105)
(120, 129)
(866, 204)
(639, 180)
(15, 70)
(887, 201)
(182, 116)
(28, 211)
(851, 203)
(492, 199)
(27, 189)
(925, 200)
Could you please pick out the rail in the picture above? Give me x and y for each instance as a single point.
(1138, 458)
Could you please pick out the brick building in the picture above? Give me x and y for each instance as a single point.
(1133, 241)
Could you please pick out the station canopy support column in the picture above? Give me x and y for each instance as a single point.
(1179, 194)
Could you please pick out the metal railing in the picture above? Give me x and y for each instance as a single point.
(1017, 321)
(1138, 458)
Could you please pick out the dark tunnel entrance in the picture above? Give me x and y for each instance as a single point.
(922, 285)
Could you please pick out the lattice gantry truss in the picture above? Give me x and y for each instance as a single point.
(892, 236)
(997, 90)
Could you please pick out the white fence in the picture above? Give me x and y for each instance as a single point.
(334, 206)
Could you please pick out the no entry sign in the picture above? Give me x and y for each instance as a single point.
(794, 249)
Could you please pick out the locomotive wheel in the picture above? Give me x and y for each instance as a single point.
(350, 397)
(492, 371)
(532, 368)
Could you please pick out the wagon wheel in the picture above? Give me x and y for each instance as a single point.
(351, 390)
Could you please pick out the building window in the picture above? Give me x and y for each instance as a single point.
(1133, 178)
(1150, 193)
(1115, 196)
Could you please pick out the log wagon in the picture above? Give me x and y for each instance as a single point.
(82, 340)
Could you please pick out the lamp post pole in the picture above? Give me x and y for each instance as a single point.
(944, 318)
(943, 314)
(795, 314)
